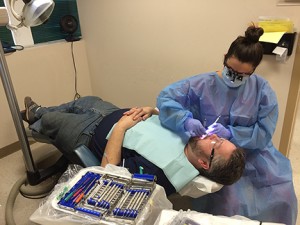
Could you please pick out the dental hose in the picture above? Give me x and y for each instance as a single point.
(9, 216)
(34, 192)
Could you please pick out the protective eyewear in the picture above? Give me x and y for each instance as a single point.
(234, 75)
(215, 145)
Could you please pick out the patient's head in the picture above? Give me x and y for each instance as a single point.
(216, 158)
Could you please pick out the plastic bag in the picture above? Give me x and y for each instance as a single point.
(46, 214)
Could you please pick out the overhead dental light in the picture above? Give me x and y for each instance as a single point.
(34, 13)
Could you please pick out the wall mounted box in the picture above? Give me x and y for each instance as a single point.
(287, 41)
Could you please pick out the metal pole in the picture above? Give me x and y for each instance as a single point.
(15, 111)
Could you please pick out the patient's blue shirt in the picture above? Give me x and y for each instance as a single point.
(133, 160)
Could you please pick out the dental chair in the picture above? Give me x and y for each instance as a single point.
(81, 155)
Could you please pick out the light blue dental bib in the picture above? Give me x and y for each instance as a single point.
(163, 148)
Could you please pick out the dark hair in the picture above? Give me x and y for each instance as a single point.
(226, 171)
(247, 49)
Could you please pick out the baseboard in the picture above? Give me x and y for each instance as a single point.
(10, 149)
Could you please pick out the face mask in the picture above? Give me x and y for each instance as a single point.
(232, 79)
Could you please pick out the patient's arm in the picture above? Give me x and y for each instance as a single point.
(112, 152)
(143, 112)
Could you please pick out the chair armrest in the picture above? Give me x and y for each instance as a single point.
(86, 157)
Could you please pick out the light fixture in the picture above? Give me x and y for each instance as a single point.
(34, 13)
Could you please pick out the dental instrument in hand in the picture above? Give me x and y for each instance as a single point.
(216, 120)
(210, 128)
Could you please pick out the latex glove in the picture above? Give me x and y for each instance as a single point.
(220, 130)
(194, 127)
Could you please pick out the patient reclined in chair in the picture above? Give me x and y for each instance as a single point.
(80, 130)
(82, 156)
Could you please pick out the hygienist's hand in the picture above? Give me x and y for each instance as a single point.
(220, 130)
(194, 127)
(141, 112)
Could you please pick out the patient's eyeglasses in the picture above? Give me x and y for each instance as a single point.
(215, 145)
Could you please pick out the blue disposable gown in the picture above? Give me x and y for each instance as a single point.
(265, 192)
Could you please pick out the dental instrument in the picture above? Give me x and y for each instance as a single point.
(209, 128)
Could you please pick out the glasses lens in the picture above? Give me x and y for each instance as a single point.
(212, 154)
(229, 72)
(233, 75)
(240, 77)
(215, 145)
(219, 141)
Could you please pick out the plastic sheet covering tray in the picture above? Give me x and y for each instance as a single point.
(106, 196)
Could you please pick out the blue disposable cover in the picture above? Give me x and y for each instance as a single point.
(163, 148)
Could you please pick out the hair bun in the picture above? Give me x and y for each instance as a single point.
(253, 33)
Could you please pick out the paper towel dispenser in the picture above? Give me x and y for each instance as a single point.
(286, 41)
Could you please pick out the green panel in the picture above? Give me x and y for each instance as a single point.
(5, 34)
(50, 30)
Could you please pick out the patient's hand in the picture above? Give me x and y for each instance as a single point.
(141, 112)
(127, 121)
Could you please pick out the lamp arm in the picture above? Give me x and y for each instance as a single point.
(14, 13)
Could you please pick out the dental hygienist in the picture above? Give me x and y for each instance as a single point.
(247, 112)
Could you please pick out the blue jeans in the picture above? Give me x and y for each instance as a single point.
(72, 124)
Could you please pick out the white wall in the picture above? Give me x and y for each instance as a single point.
(137, 47)
(46, 73)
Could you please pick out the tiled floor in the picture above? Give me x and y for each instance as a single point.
(12, 168)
